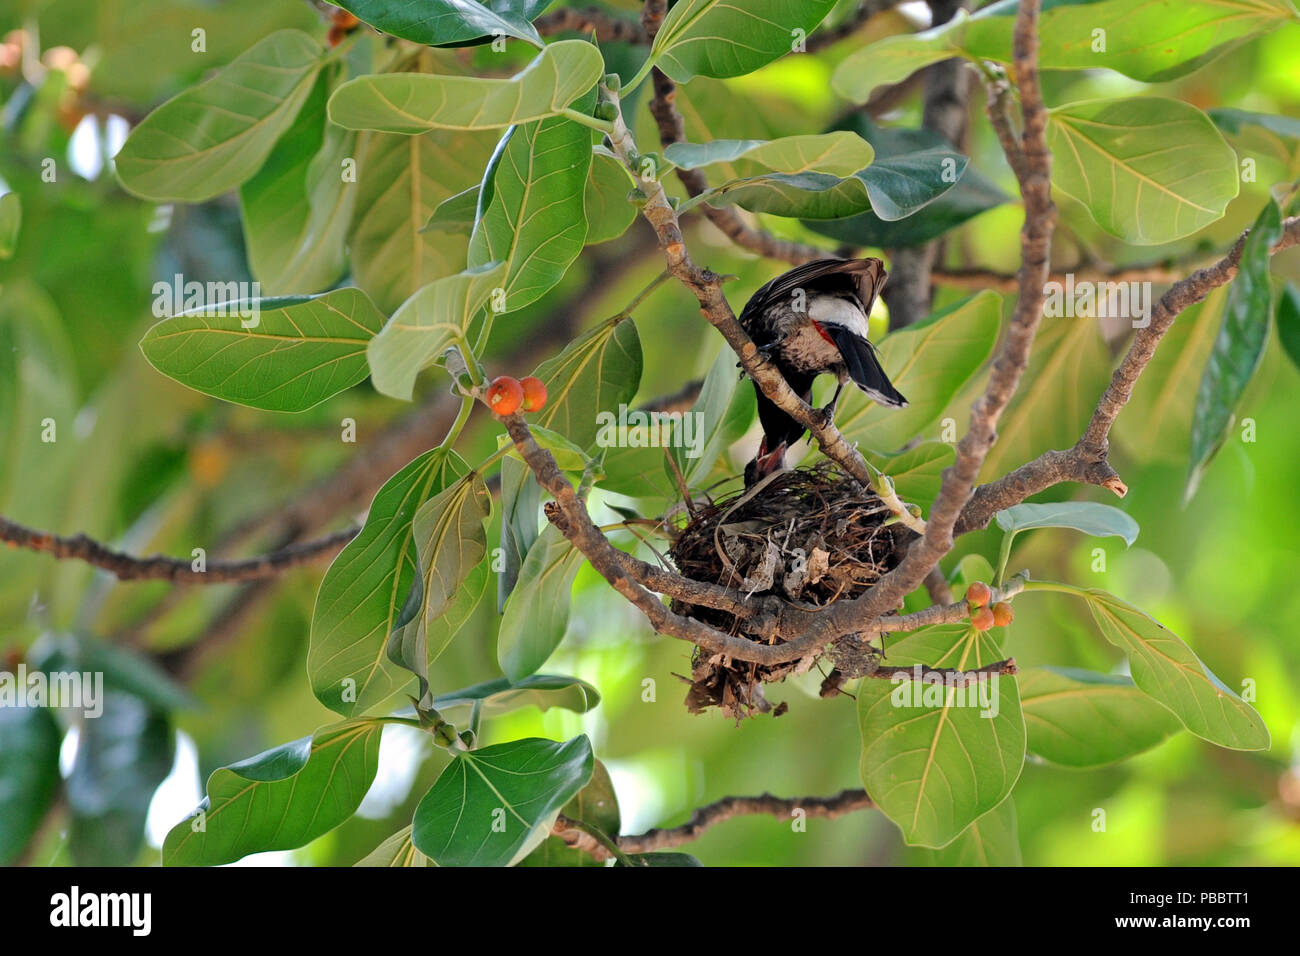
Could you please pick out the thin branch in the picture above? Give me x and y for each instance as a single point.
(157, 567)
(1157, 274)
(783, 808)
(1087, 461)
(604, 26)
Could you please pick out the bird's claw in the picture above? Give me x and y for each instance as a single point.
(824, 417)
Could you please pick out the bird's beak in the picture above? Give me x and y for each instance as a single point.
(765, 463)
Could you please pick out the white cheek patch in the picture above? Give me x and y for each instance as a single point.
(837, 311)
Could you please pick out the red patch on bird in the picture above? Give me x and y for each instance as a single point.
(822, 332)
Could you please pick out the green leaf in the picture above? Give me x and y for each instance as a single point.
(1079, 718)
(1089, 517)
(426, 325)
(535, 221)
(1148, 169)
(720, 416)
(11, 221)
(596, 372)
(1068, 368)
(1288, 322)
(543, 691)
(446, 22)
(418, 643)
(489, 804)
(364, 591)
(840, 153)
(216, 135)
(1238, 349)
(720, 39)
(1166, 669)
(281, 799)
(1233, 121)
(933, 764)
(401, 181)
(918, 472)
(895, 58)
(521, 499)
(537, 612)
(929, 363)
(1157, 422)
(609, 211)
(451, 542)
(455, 214)
(597, 805)
(29, 774)
(903, 153)
(122, 757)
(417, 102)
(992, 840)
(301, 350)
(297, 208)
(396, 851)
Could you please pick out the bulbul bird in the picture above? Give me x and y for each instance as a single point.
(809, 321)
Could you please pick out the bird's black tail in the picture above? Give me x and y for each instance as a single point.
(864, 367)
(778, 427)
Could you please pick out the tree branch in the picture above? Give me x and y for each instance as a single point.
(157, 567)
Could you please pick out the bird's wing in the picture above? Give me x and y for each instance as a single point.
(864, 367)
(869, 274)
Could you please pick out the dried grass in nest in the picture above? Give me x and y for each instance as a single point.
(809, 535)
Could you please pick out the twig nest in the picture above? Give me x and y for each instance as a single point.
(809, 535)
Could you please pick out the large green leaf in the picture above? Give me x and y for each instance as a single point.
(489, 805)
(451, 577)
(992, 840)
(124, 668)
(1148, 169)
(396, 851)
(839, 153)
(216, 135)
(1167, 670)
(1157, 421)
(11, 221)
(1151, 40)
(401, 181)
(929, 363)
(1233, 120)
(1080, 718)
(917, 472)
(723, 412)
(719, 38)
(521, 500)
(1239, 347)
(417, 102)
(443, 22)
(280, 799)
(934, 764)
(535, 221)
(122, 757)
(596, 805)
(609, 212)
(1068, 368)
(536, 614)
(428, 323)
(302, 350)
(913, 156)
(298, 207)
(364, 590)
(1288, 322)
(543, 691)
(29, 774)
(1089, 517)
(596, 372)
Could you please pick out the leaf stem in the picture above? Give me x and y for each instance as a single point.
(604, 126)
